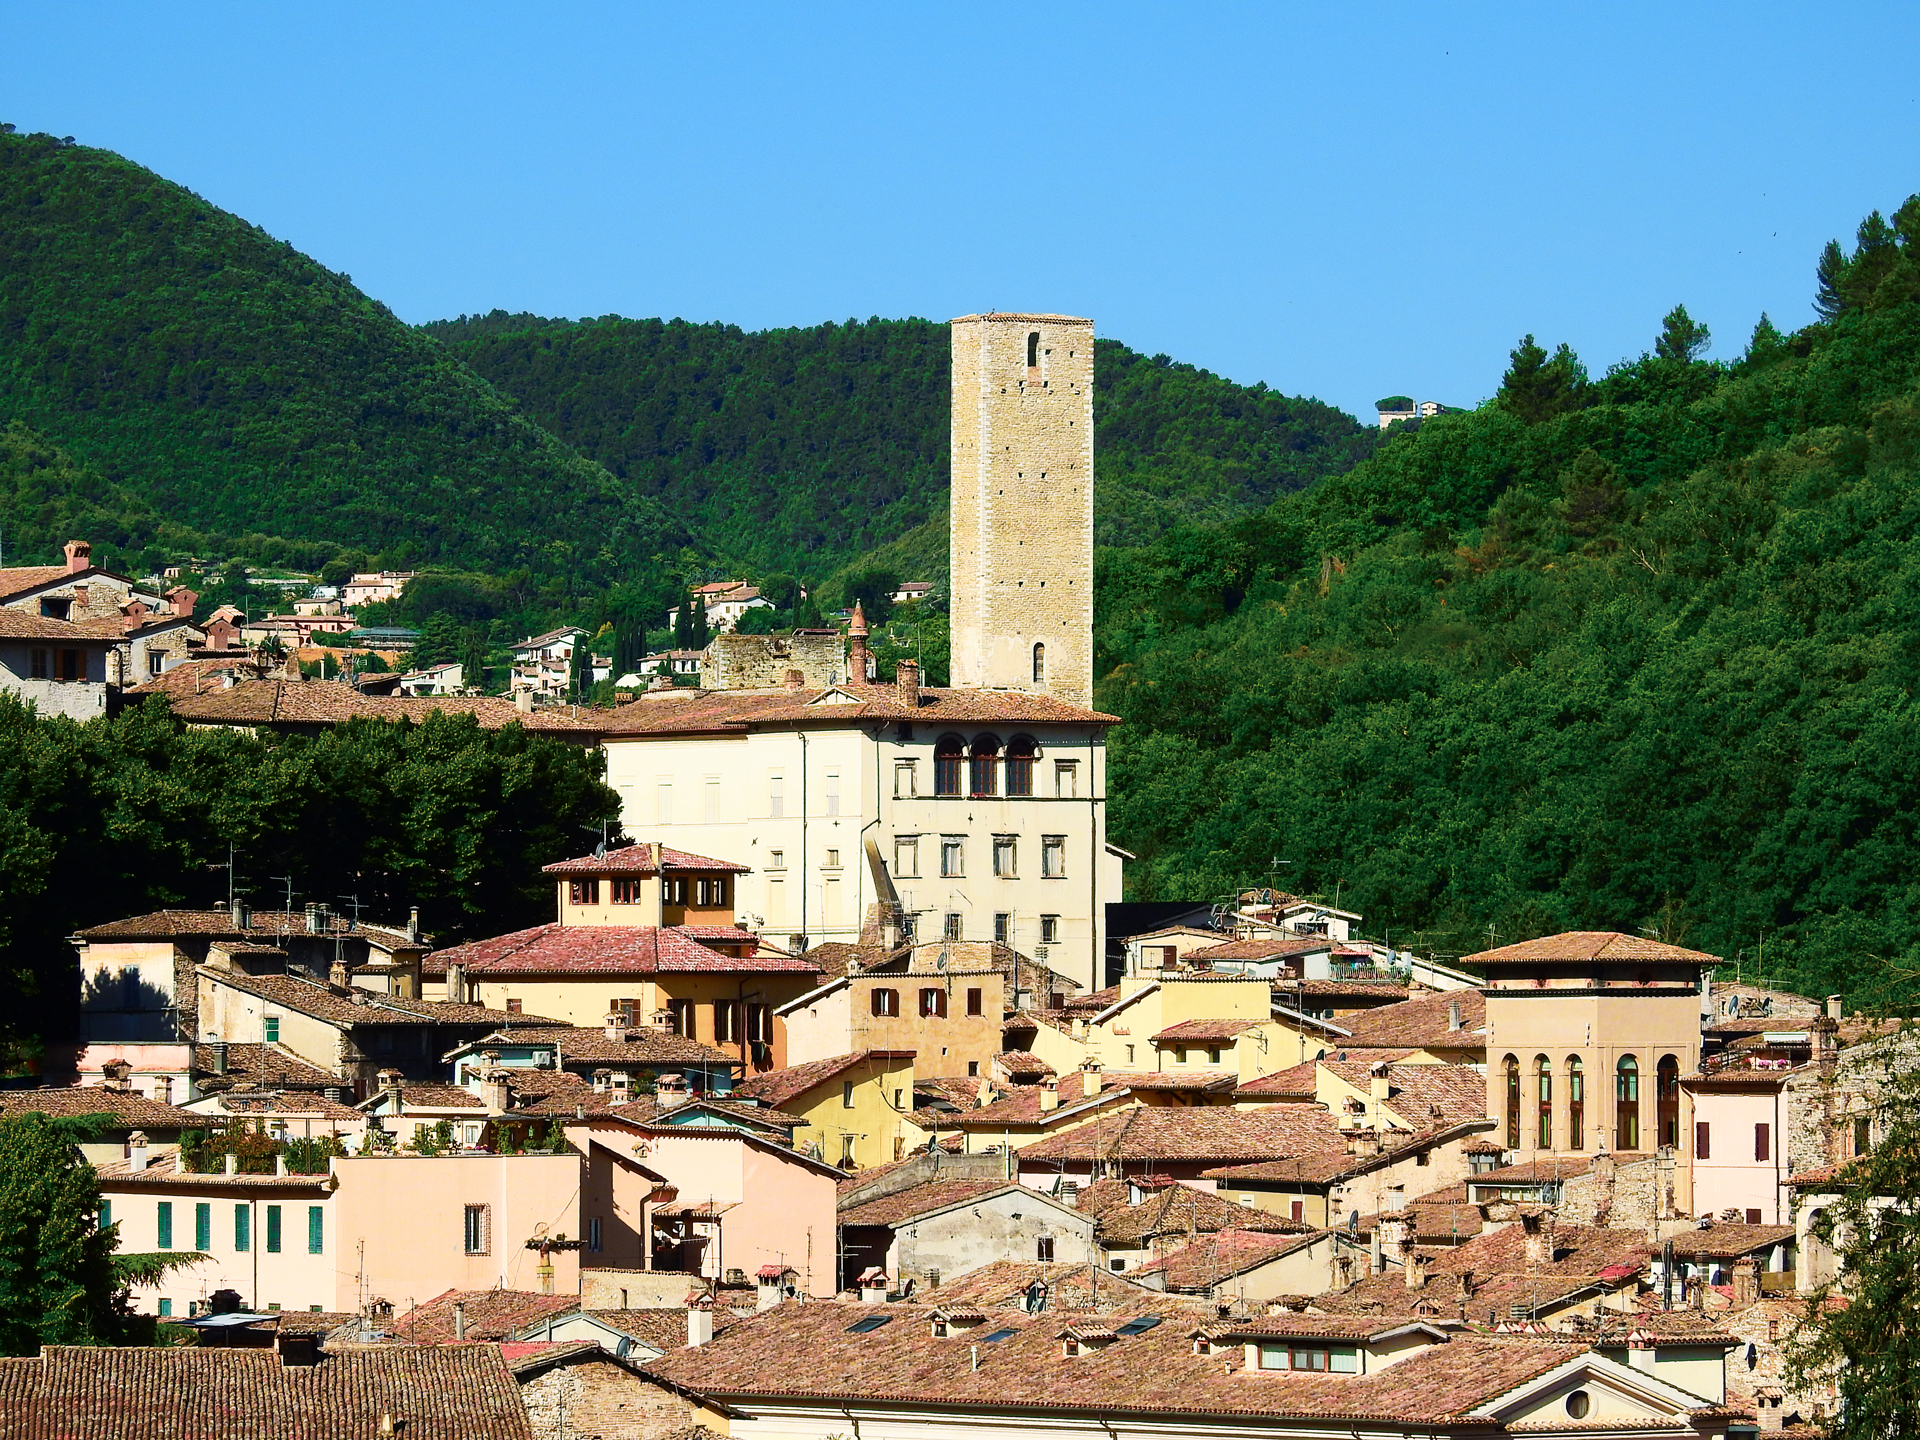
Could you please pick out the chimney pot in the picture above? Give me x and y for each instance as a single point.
(616, 1025)
(216, 1055)
(1453, 1015)
(459, 1320)
(457, 984)
(1836, 1007)
(79, 556)
(699, 1321)
(137, 1151)
(241, 914)
(1049, 1096)
(907, 683)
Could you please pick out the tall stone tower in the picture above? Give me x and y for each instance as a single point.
(1022, 526)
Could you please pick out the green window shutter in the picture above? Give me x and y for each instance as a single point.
(203, 1227)
(106, 1213)
(316, 1229)
(242, 1228)
(163, 1225)
(273, 1229)
(272, 1027)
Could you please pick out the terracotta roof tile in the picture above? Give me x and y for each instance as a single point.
(1003, 1285)
(638, 860)
(636, 1045)
(783, 1087)
(1725, 1238)
(264, 927)
(710, 711)
(1168, 1209)
(164, 1171)
(1184, 1134)
(130, 1109)
(17, 579)
(1199, 1266)
(367, 1007)
(554, 949)
(1268, 948)
(1207, 1029)
(1422, 1021)
(904, 1205)
(1589, 945)
(171, 1393)
(489, 1314)
(1154, 1372)
(262, 1065)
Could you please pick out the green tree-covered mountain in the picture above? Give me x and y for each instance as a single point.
(1639, 651)
(802, 449)
(242, 390)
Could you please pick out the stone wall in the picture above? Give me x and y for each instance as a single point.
(1021, 533)
(1635, 1196)
(596, 1398)
(1824, 1100)
(765, 662)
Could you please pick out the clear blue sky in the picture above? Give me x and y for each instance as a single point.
(1340, 200)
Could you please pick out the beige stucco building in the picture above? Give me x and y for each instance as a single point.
(1588, 1034)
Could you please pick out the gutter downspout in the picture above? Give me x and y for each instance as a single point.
(804, 882)
(1096, 921)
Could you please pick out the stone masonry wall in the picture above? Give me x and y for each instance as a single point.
(1022, 504)
(762, 662)
(599, 1400)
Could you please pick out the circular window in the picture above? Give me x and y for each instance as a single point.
(1578, 1403)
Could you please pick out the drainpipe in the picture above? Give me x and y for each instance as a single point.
(1095, 920)
(804, 929)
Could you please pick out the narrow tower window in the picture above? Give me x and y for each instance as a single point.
(1033, 350)
(1039, 663)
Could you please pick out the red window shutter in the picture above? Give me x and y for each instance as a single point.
(1298, 1210)
(1702, 1150)
(1762, 1142)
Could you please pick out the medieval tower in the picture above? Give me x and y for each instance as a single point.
(1022, 529)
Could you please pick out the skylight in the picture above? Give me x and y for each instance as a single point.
(1139, 1325)
(868, 1325)
(997, 1336)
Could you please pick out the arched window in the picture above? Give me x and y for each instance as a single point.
(948, 751)
(1033, 349)
(1626, 1104)
(1667, 1098)
(1512, 1067)
(984, 767)
(1543, 1073)
(1020, 752)
(1576, 1103)
(1039, 663)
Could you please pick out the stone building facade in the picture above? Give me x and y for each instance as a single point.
(1022, 529)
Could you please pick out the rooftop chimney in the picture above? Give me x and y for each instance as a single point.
(316, 918)
(616, 1025)
(182, 599)
(1415, 1270)
(602, 1080)
(79, 556)
(413, 923)
(1378, 1084)
(216, 1055)
(1453, 1015)
(1746, 1282)
(457, 984)
(1090, 1078)
(699, 1320)
(297, 1349)
(114, 1075)
(390, 1080)
(671, 1091)
(1049, 1095)
(907, 682)
(860, 667)
(137, 1151)
(459, 1320)
(1836, 1007)
(241, 914)
(493, 1090)
(1539, 1243)
(523, 700)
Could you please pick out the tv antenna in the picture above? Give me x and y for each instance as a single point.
(353, 904)
(286, 882)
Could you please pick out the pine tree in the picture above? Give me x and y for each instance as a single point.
(1538, 386)
(1829, 302)
(1681, 338)
(58, 1285)
(699, 635)
(473, 659)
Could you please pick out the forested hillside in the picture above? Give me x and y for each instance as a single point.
(1636, 651)
(802, 449)
(242, 390)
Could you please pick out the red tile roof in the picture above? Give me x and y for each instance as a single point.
(1269, 948)
(904, 1205)
(639, 860)
(1590, 945)
(1198, 1267)
(1182, 1134)
(783, 1087)
(1155, 1372)
(1728, 1238)
(367, 1007)
(460, 1392)
(1207, 1029)
(554, 949)
(720, 711)
(129, 1109)
(1168, 1209)
(264, 926)
(634, 1045)
(265, 1065)
(489, 1314)
(1422, 1022)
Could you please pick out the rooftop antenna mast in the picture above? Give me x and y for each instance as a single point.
(353, 903)
(286, 882)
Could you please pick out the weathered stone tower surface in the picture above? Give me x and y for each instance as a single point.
(1022, 526)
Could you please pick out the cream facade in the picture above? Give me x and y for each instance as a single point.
(798, 803)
